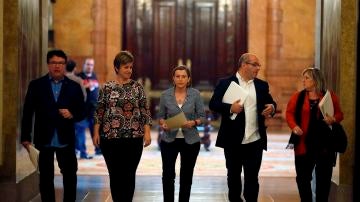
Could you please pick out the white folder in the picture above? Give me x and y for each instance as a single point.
(326, 105)
(235, 92)
(34, 156)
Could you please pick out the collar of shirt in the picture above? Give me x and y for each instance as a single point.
(242, 81)
(55, 81)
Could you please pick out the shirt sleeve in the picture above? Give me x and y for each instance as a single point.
(100, 109)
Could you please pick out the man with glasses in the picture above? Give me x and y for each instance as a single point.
(55, 102)
(244, 137)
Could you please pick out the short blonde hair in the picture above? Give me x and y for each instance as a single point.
(317, 76)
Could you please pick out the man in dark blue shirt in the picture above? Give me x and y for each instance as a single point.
(55, 102)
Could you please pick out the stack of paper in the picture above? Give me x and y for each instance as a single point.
(176, 121)
(326, 105)
(233, 93)
(34, 155)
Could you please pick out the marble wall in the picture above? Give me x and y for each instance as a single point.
(8, 99)
(1, 78)
(282, 34)
(92, 31)
(21, 59)
(347, 92)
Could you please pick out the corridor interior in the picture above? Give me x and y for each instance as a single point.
(277, 175)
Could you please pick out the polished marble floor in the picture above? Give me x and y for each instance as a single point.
(277, 177)
(205, 188)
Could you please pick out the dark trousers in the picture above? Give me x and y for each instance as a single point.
(323, 164)
(188, 156)
(247, 157)
(122, 157)
(67, 163)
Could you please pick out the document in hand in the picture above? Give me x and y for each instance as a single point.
(326, 105)
(176, 121)
(235, 92)
(34, 155)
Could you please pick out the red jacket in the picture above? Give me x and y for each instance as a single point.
(305, 117)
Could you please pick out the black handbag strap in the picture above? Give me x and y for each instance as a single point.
(299, 106)
(294, 139)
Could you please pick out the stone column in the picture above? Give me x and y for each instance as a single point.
(113, 35)
(98, 35)
(273, 56)
(274, 37)
(24, 39)
(347, 93)
(9, 101)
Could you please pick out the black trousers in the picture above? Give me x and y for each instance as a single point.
(323, 164)
(122, 157)
(67, 163)
(188, 156)
(247, 157)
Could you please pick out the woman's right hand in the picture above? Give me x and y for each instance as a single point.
(164, 126)
(297, 130)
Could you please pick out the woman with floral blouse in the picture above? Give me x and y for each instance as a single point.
(122, 127)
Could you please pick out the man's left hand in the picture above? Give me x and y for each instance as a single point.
(65, 113)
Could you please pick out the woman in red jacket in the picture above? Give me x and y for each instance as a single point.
(311, 131)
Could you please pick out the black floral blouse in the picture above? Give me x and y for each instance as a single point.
(122, 110)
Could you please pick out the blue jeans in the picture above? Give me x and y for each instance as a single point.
(80, 132)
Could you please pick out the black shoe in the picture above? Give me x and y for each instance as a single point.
(86, 157)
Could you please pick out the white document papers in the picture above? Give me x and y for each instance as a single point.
(34, 156)
(176, 121)
(235, 92)
(326, 105)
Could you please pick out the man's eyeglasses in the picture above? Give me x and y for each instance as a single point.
(255, 64)
(56, 63)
